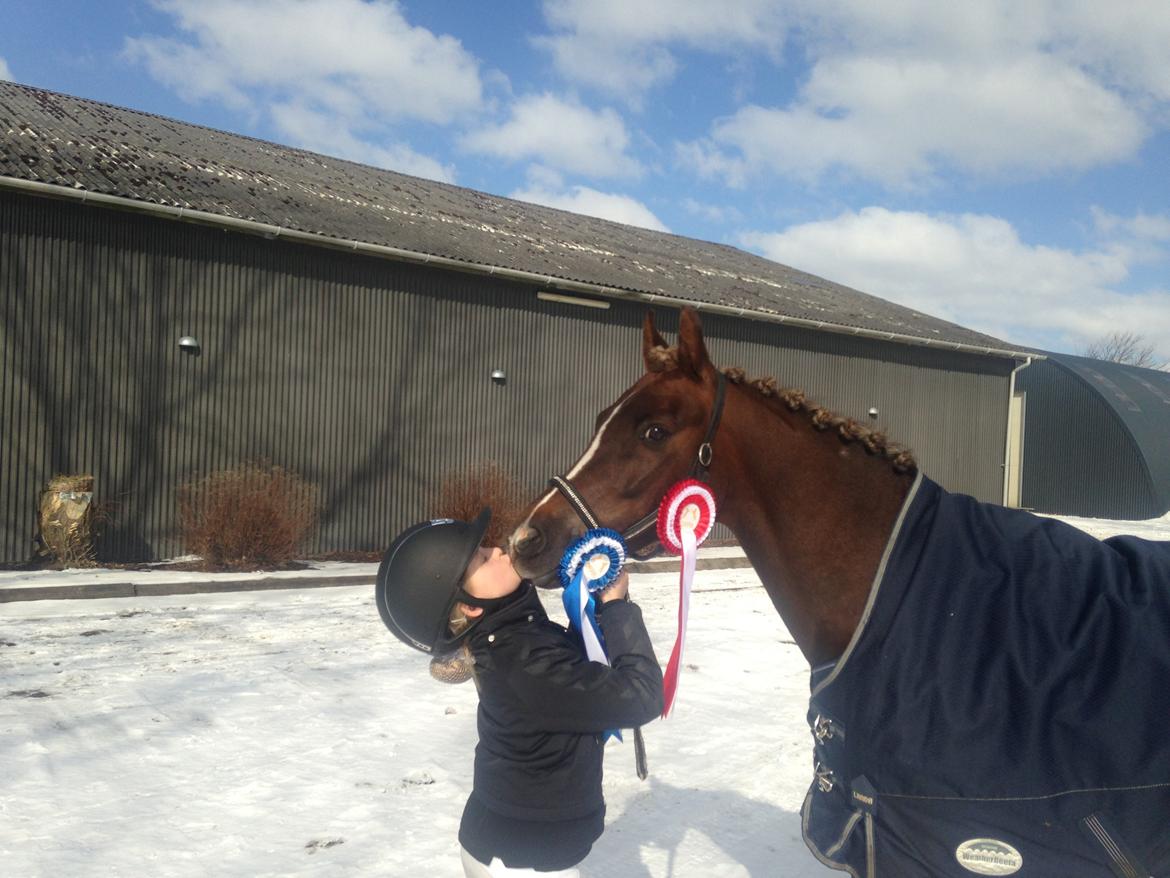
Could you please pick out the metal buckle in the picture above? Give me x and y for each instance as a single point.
(823, 729)
(705, 454)
(826, 780)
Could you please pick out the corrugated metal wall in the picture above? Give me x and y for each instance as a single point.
(1066, 427)
(370, 378)
(950, 408)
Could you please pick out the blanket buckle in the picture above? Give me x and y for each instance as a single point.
(826, 780)
(823, 729)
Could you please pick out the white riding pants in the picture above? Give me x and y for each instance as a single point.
(473, 868)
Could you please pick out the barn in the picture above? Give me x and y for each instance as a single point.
(178, 300)
(1096, 438)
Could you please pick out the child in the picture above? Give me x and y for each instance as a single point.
(536, 804)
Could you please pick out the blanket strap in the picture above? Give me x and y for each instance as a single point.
(1122, 860)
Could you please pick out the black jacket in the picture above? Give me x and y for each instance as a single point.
(543, 705)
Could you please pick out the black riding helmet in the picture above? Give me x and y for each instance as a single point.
(421, 577)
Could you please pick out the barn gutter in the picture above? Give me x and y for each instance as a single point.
(270, 231)
(1007, 449)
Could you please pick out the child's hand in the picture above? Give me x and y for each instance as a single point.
(618, 589)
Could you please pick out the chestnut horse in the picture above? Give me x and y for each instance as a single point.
(811, 507)
(980, 690)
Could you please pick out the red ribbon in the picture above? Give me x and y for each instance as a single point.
(685, 518)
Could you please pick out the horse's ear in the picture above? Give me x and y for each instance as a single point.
(650, 339)
(692, 352)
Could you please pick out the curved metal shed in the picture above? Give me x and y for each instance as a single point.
(1096, 438)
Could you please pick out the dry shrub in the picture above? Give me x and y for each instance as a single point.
(462, 495)
(254, 516)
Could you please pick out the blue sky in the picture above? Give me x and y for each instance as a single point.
(1005, 165)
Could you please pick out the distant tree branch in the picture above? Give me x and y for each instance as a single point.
(1129, 348)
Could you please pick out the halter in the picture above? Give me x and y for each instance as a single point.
(650, 521)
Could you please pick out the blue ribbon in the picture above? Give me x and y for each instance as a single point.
(579, 594)
(571, 598)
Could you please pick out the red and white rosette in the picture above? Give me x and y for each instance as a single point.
(685, 518)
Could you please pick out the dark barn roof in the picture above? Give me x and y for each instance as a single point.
(82, 145)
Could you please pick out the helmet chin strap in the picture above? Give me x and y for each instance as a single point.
(485, 603)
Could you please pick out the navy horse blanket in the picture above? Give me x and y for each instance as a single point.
(1003, 707)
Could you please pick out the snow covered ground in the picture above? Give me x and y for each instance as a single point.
(287, 733)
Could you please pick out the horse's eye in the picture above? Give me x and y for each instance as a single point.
(655, 433)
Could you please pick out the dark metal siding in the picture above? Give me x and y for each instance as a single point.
(949, 408)
(369, 377)
(1078, 457)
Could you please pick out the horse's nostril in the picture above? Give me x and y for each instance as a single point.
(526, 542)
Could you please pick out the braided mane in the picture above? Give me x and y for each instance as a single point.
(875, 442)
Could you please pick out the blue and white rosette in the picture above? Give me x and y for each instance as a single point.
(589, 564)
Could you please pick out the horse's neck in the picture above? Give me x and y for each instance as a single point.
(813, 516)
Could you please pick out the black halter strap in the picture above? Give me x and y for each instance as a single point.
(575, 500)
(703, 458)
(698, 471)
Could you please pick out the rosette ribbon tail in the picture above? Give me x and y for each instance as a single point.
(685, 518)
(581, 608)
(685, 578)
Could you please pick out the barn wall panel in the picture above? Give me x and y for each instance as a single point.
(368, 377)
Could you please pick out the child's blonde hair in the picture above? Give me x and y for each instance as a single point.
(457, 621)
(455, 667)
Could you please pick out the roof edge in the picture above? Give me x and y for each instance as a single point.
(267, 230)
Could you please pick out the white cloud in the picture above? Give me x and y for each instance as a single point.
(590, 202)
(623, 47)
(342, 54)
(975, 271)
(898, 121)
(335, 74)
(626, 45)
(327, 134)
(561, 134)
(896, 92)
(715, 213)
(1124, 42)
(1141, 226)
(5, 73)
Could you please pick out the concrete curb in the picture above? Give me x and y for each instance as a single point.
(94, 590)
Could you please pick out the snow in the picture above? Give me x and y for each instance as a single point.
(162, 574)
(274, 733)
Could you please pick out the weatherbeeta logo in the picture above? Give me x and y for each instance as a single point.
(986, 856)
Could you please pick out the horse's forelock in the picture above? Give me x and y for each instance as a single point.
(660, 359)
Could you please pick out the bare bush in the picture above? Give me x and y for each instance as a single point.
(462, 495)
(255, 516)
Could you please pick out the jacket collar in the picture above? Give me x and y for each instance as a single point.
(525, 603)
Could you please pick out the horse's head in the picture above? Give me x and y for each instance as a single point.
(643, 443)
